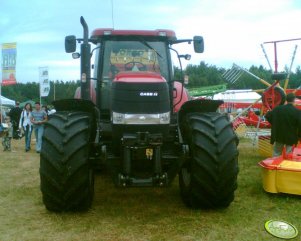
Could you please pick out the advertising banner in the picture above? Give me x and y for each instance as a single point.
(44, 81)
(9, 57)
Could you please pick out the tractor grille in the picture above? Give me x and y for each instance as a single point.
(140, 97)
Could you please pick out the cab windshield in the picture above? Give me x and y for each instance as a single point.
(134, 56)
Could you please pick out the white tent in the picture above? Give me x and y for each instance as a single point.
(242, 96)
(6, 102)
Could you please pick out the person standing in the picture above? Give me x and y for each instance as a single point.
(26, 125)
(2, 116)
(38, 118)
(286, 125)
(8, 134)
(15, 114)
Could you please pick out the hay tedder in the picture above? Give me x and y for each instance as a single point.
(136, 119)
(272, 96)
(281, 174)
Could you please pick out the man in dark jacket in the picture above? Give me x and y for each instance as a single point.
(15, 114)
(286, 125)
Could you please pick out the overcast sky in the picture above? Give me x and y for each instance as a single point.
(233, 29)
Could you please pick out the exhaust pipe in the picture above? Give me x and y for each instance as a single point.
(85, 62)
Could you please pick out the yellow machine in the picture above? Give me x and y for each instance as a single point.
(282, 174)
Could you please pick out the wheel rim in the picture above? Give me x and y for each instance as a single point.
(186, 176)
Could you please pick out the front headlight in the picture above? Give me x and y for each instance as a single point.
(118, 118)
(164, 118)
(141, 119)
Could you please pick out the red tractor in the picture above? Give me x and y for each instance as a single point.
(133, 117)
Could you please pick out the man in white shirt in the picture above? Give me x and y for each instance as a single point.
(38, 118)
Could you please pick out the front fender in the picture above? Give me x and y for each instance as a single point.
(197, 105)
(81, 105)
(74, 105)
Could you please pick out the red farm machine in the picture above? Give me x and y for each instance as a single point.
(133, 117)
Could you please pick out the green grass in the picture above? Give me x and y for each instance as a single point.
(138, 213)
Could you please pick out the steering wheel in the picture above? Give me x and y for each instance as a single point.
(129, 66)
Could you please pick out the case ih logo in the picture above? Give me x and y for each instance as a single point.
(149, 94)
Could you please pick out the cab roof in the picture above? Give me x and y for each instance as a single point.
(107, 32)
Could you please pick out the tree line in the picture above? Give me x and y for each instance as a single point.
(199, 76)
(206, 75)
(31, 91)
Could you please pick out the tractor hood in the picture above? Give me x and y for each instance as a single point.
(139, 77)
(140, 92)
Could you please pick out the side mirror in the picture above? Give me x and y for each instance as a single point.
(70, 44)
(198, 44)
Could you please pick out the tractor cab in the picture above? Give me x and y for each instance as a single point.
(132, 50)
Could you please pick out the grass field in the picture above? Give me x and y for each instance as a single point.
(137, 214)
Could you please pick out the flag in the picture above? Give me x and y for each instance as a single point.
(9, 57)
(44, 81)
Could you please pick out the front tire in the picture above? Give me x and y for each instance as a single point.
(208, 178)
(67, 180)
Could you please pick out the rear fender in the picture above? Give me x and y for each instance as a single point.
(78, 93)
(181, 96)
(198, 105)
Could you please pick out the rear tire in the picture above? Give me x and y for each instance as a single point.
(67, 180)
(209, 178)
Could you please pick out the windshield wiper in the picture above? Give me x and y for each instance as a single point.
(150, 47)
